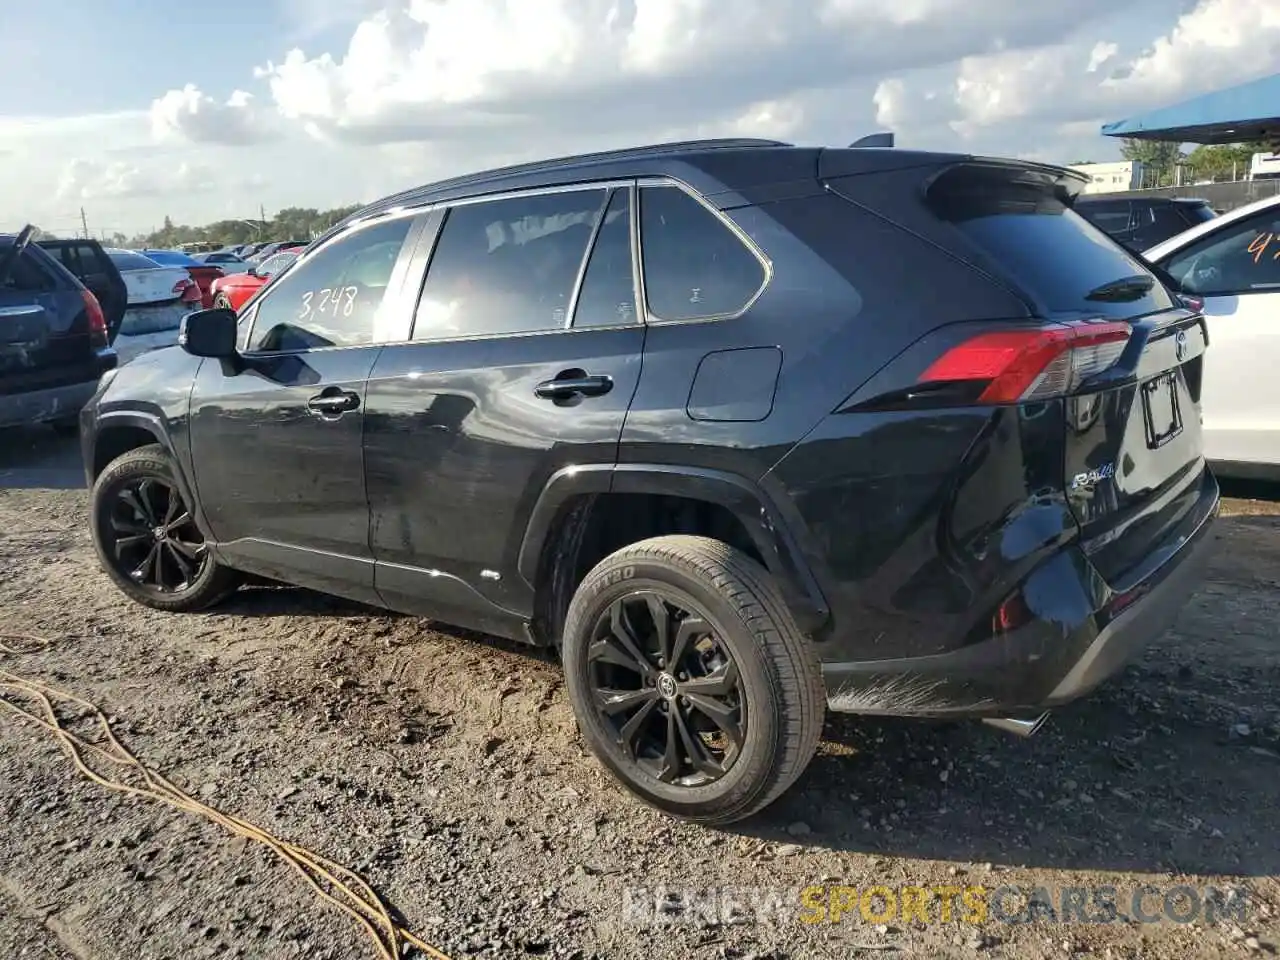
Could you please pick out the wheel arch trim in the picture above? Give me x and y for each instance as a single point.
(757, 513)
(154, 425)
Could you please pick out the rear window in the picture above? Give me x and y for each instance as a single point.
(1064, 264)
(1197, 212)
(170, 259)
(124, 260)
(26, 274)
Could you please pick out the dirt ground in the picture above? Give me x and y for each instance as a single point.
(446, 768)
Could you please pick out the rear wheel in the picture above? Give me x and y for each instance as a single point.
(147, 540)
(690, 680)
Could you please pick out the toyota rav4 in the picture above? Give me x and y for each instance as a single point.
(744, 431)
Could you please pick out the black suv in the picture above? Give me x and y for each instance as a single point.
(56, 328)
(1139, 223)
(744, 430)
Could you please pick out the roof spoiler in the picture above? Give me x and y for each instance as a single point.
(873, 140)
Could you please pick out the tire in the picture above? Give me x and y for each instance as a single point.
(132, 500)
(777, 706)
(220, 302)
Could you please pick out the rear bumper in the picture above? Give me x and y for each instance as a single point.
(41, 406)
(1083, 633)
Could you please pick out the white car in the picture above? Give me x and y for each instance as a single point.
(1232, 263)
(159, 297)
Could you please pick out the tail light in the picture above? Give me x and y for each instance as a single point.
(188, 289)
(1191, 302)
(1021, 365)
(97, 319)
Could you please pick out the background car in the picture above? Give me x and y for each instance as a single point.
(89, 263)
(278, 246)
(1139, 223)
(1232, 264)
(202, 272)
(54, 340)
(233, 291)
(159, 297)
(225, 260)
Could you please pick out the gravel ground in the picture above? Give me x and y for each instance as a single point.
(446, 768)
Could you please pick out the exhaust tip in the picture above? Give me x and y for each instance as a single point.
(1019, 728)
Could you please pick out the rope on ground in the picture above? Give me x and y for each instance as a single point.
(38, 703)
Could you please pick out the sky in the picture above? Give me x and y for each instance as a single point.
(199, 112)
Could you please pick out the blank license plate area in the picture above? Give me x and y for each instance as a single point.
(1160, 409)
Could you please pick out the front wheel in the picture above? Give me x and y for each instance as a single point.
(146, 538)
(690, 680)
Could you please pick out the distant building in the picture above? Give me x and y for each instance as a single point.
(1264, 166)
(1111, 177)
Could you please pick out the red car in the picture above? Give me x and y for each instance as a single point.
(232, 291)
(204, 274)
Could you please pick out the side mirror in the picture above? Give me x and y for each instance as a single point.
(209, 333)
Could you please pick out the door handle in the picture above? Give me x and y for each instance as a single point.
(333, 403)
(566, 388)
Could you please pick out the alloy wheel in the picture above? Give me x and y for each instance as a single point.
(153, 539)
(667, 688)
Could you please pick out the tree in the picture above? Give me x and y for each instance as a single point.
(293, 223)
(1222, 161)
(1159, 157)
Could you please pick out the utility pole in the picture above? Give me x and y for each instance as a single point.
(84, 224)
(262, 212)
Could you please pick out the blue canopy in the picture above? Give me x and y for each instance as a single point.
(1250, 111)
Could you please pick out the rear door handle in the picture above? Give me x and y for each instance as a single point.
(333, 402)
(565, 388)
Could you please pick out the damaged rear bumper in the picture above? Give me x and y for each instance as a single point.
(1092, 631)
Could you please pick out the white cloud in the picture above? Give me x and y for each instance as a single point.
(189, 114)
(420, 89)
(83, 179)
(1060, 94)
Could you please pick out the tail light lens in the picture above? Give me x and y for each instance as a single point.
(1191, 302)
(97, 319)
(188, 289)
(1021, 365)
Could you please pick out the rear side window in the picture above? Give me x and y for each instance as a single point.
(1061, 262)
(1197, 212)
(26, 274)
(1165, 220)
(507, 266)
(695, 266)
(1109, 218)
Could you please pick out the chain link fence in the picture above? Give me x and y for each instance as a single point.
(1221, 196)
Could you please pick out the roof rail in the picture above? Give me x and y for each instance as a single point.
(873, 140)
(483, 176)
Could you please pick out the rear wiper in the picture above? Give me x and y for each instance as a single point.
(1122, 290)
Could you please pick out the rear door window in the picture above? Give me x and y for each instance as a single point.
(507, 266)
(608, 294)
(1065, 265)
(695, 266)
